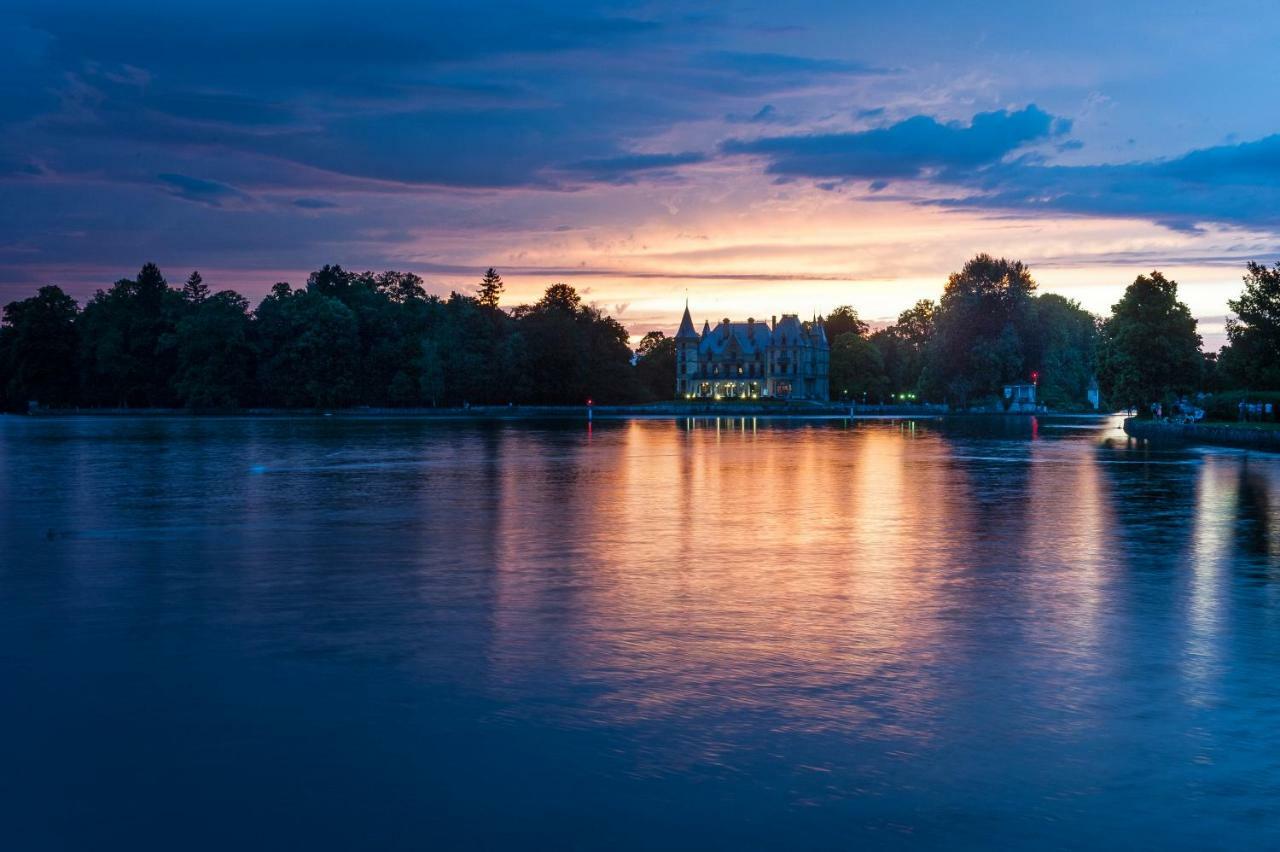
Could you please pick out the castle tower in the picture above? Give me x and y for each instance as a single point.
(686, 356)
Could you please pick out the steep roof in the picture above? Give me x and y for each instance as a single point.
(747, 338)
(686, 331)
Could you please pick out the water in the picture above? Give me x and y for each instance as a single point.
(397, 634)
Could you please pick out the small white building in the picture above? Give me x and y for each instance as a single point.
(1020, 397)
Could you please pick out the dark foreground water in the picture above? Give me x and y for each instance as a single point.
(381, 634)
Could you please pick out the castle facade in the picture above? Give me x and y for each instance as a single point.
(785, 359)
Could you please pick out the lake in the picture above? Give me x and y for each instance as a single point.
(342, 633)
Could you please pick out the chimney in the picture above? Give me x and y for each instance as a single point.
(774, 324)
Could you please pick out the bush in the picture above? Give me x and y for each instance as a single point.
(1226, 405)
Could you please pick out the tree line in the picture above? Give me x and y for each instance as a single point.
(991, 328)
(345, 339)
(379, 339)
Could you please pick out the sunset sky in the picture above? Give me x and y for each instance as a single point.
(761, 158)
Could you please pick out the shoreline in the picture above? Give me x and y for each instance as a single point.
(781, 411)
(1220, 435)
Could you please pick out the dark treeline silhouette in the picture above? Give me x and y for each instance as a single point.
(991, 328)
(344, 339)
(379, 339)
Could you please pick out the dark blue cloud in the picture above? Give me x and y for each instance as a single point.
(783, 65)
(314, 204)
(1228, 184)
(767, 114)
(201, 191)
(436, 94)
(625, 167)
(914, 148)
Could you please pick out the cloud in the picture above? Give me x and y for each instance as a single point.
(915, 148)
(625, 167)
(784, 65)
(201, 191)
(313, 204)
(1227, 184)
(767, 114)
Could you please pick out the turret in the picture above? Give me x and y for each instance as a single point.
(686, 356)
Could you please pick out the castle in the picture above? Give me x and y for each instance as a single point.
(752, 360)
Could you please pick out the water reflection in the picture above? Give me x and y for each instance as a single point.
(907, 633)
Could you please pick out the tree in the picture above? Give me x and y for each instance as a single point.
(1149, 347)
(902, 346)
(560, 297)
(38, 348)
(844, 320)
(1252, 357)
(856, 369)
(332, 281)
(311, 346)
(1067, 338)
(984, 331)
(398, 287)
(656, 365)
(430, 372)
(195, 290)
(128, 341)
(575, 352)
(491, 287)
(216, 357)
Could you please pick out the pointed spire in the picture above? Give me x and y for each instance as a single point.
(706, 327)
(686, 331)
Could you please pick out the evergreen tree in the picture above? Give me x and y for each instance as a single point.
(491, 288)
(195, 290)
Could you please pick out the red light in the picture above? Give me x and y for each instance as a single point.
(588, 402)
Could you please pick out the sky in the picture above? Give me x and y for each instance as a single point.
(753, 158)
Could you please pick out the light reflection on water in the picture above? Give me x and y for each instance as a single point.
(642, 634)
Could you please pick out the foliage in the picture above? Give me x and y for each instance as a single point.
(381, 339)
(857, 369)
(311, 347)
(490, 291)
(38, 349)
(216, 356)
(844, 320)
(656, 365)
(982, 329)
(1149, 348)
(1252, 356)
(1066, 340)
(902, 347)
(128, 342)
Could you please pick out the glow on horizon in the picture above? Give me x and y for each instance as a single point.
(763, 160)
